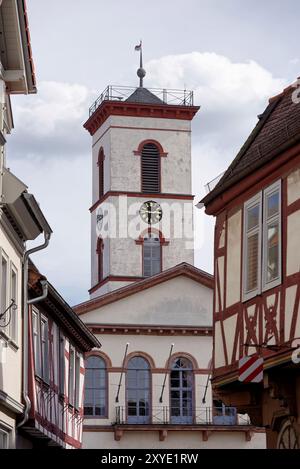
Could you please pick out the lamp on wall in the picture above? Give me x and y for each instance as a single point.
(165, 378)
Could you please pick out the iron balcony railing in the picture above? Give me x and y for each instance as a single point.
(121, 93)
(165, 416)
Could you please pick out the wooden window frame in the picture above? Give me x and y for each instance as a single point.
(4, 257)
(71, 389)
(77, 381)
(37, 353)
(45, 352)
(273, 189)
(251, 203)
(106, 410)
(261, 199)
(62, 363)
(150, 390)
(7, 432)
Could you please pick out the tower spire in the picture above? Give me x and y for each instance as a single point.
(141, 72)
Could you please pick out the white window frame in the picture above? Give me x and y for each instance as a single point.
(5, 257)
(256, 200)
(77, 380)
(72, 382)
(45, 351)
(37, 344)
(276, 187)
(261, 199)
(61, 361)
(6, 433)
(13, 326)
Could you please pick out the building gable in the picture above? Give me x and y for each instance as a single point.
(180, 301)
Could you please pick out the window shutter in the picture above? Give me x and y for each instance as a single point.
(150, 168)
(272, 236)
(252, 246)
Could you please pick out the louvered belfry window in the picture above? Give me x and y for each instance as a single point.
(150, 168)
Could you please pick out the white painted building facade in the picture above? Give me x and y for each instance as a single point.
(16, 77)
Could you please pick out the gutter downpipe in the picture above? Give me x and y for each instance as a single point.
(47, 236)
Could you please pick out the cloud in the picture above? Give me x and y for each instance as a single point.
(49, 124)
(62, 188)
(51, 151)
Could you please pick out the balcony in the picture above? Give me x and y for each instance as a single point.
(122, 93)
(163, 419)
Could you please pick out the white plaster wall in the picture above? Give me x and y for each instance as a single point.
(10, 365)
(123, 226)
(180, 301)
(174, 440)
(219, 357)
(158, 347)
(293, 186)
(233, 267)
(172, 134)
(293, 251)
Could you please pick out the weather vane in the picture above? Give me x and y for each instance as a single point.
(141, 72)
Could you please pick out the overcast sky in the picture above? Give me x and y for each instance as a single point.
(233, 54)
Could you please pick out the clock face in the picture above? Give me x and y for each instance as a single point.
(151, 212)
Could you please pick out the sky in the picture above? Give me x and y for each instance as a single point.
(233, 54)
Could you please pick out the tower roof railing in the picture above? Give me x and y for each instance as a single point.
(121, 93)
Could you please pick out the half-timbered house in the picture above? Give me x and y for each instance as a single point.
(57, 341)
(257, 273)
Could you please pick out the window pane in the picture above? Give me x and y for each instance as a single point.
(272, 204)
(252, 262)
(3, 321)
(3, 439)
(95, 387)
(152, 256)
(252, 217)
(272, 251)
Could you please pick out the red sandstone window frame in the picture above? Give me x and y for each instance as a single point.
(100, 164)
(99, 251)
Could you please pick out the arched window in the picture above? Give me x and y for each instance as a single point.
(101, 172)
(182, 391)
(138, 390)
(152, 262)
(150, 156)
(99, 251)
(95, 393)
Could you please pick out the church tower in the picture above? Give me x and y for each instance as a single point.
(142, 212)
